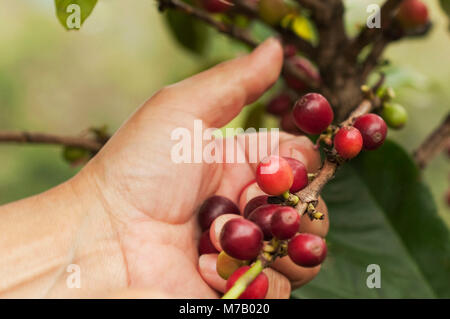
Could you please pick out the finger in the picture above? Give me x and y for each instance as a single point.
(216, 228)
(217, 95)
(250, 192)
(279, 285)
(207, 268)
(297, 275)
(316, 227)
(302, 149)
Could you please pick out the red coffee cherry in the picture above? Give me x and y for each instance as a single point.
(300, 174)
(205, 245)
(274, 175)
(312, 113)
(262, 217)
(348, 142)
(255, 203)
(241, 239)
(256, 290)
(216, 6)
(307, 250)
(373, 130)
(290, 50)
(213, 207)
(279, 104)
(285, 222)
(287, 124)
(412, 14)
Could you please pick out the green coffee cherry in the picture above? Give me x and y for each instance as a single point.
(395, 115)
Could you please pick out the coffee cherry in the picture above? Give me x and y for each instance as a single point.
(373, 130)
(216, 228)
(205, 246)
(262, 216)
(412, 14)
(348, 142)
(279, 104)
(257, 288)
(272, 11)
(300, 174)
(241, 239)
(312, 113)
(255, 203)
(394, 114)
(216, 6)
(285, 222)
(214, 207)
(227, 265)
(307, 250)
(304, 67)
(290, 50)
(274, 175)
(248, 193)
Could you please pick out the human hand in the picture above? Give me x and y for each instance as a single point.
(136, 225)
(152, 201)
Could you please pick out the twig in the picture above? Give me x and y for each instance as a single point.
(42, 138)
(433, 144)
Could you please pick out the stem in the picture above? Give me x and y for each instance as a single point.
(246, 279)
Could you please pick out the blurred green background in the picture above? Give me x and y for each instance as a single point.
(63, 82)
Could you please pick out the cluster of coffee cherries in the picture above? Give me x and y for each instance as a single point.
(267, 228)
(269, 225)
(313, 115)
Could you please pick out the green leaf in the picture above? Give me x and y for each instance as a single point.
(68, 15)
(382, 213)
(189, 32)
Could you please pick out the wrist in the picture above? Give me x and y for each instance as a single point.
(60, 243)
(96, 247)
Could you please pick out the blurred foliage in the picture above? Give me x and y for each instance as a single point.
(188, 31)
